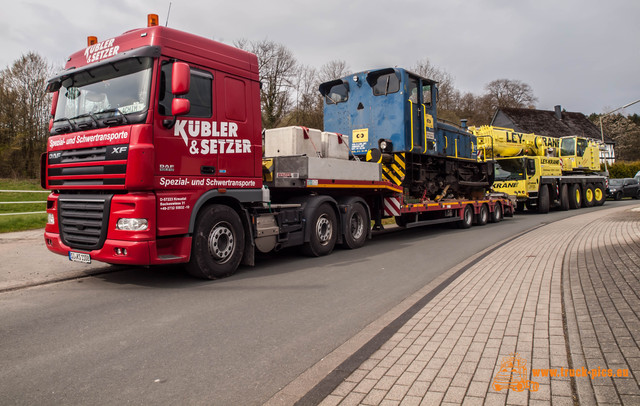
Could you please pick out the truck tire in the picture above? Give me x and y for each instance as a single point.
(324, 232)
(543, 199)
(599, 194)
(357, 227)
(497, 214)
(483, 217)
(589, 199)
(218, 243)
(520, 207)
(575, 196)
(467, 217)
(564, 197)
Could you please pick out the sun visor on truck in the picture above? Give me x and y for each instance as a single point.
(55, 83)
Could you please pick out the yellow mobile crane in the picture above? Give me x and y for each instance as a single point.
(543, 172)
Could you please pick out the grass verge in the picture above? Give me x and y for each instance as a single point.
(21, 222)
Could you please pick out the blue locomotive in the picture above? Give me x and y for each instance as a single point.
(390, 115)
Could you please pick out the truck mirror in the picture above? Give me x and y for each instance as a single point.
(180, 78)
(531, 167)
(180, 107)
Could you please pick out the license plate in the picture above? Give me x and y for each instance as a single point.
(79, 257)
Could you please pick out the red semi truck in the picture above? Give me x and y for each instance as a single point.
(156, 157)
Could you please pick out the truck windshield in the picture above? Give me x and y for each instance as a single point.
(510, 169)
(105, 95)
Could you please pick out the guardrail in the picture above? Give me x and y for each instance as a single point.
(29, 202)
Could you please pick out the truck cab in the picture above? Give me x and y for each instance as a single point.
(137, 144)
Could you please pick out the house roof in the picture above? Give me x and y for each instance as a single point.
(548, 123)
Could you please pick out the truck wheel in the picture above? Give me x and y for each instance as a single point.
(519, 206)
(589, 199)
(357, 227)
(497, 214)
(467, 217)
(599, 194)
(575, 196)
(564, 197)
(401, 221)
(617, 196)
(483, 217)
(543, 199)
(218, 243)
(324, 232)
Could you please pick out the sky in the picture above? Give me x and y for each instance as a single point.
(581, 54)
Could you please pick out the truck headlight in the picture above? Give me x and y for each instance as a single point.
(132, 224)
(51, 219)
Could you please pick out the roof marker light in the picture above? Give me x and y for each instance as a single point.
(91, 40)
(152, 20)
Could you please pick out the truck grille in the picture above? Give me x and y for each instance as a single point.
(106, 165)
(83, 220)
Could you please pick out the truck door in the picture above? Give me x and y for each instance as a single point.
(184, 149)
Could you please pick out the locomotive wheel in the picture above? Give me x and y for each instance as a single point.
(218, 243)
(324, 232)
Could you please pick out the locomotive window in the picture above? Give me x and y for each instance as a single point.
(426, 94)
(200, 92)
(413, 90)
(383, 83)
(335, 92)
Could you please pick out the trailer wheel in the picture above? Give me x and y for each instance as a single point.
(324, 232)
(467, 217)
(588, 200)
(483, 217)
(543, 199)
(564, 197)
(599, 194)
(497, 214)
(218, 242)
(575, 196)
(357, 227)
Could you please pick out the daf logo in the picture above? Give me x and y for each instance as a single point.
(119, 150)
(54, 155)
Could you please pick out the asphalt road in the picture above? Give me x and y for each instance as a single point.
(156, 336)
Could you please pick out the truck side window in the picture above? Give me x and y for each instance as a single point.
(568, 147)
(200, 92)
(582, 146)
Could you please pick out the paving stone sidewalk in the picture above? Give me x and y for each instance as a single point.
(563, 298)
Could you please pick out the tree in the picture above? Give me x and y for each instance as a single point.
(624, 131)
(510, 93)
(278, 70)
(24, 115)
